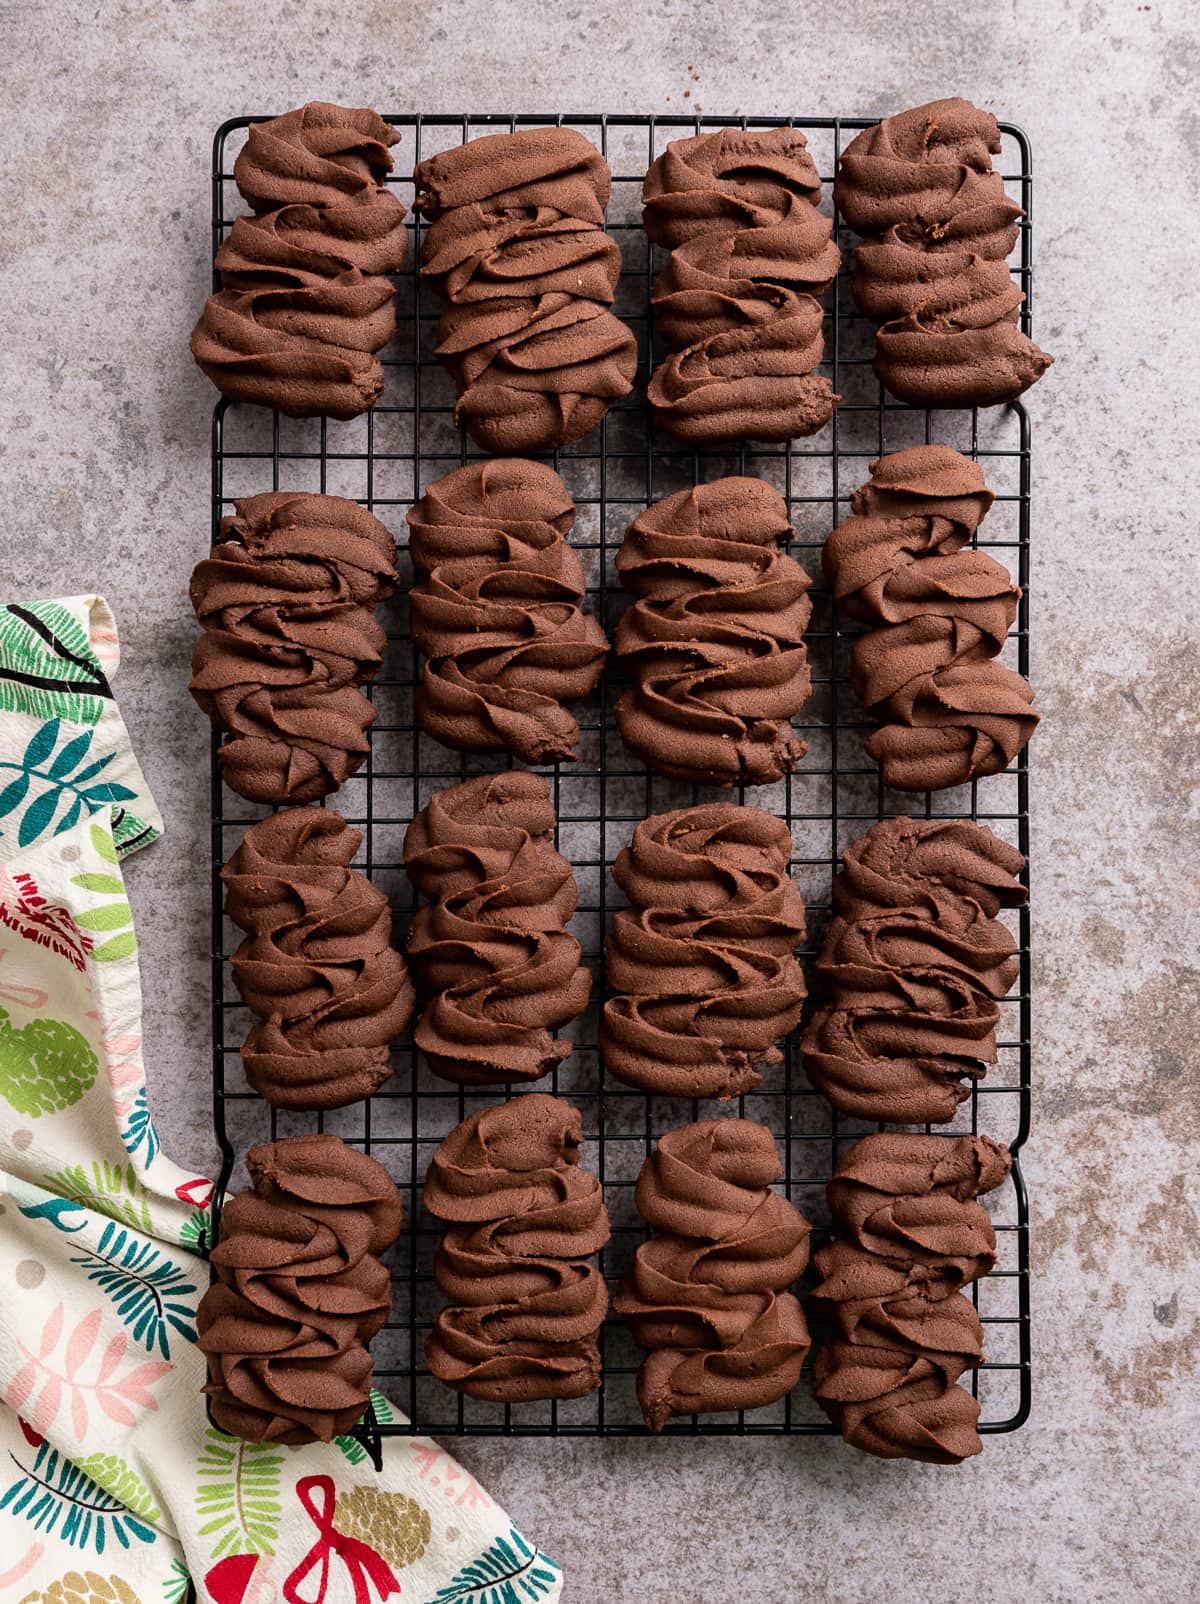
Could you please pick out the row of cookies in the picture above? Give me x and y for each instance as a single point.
(711, 646)
(299, 1286)
(703, 976)
(515, 247)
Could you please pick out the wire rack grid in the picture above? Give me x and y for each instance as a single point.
(385, 460)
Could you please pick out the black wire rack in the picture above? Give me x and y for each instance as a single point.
(385, 460)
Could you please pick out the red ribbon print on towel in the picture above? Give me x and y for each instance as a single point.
(366, 1568)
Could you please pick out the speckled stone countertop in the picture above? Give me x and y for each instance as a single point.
(110, 110)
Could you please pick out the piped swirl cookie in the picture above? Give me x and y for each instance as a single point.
(317, 965)
(703, 960)
(737, 299)
(714, 640)
(706, 1296)
(298, 1291)
(517, 250)
(525, 1220)
(909, 1237)
(498, 612)
(914, 966)
(489, 946)
(938, 614)
(285, 599)
(306, 300)
(937, 226)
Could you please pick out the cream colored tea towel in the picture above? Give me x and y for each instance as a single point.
(113, 1485)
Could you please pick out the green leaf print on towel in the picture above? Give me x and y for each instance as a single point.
(384, 1414)
(112, 1189)
(193, 1233)
(45, 1066)
(63, 1501)
(106, 918)
(112, 1473)
(237, 1494)
(176, 1583)
(47, 665)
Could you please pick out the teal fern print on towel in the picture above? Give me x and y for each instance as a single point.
(139, 1129)
(47, 666)
(45, 1066)
(52, 785)
(63, 1501)
(509, 1571)
(150, 1293)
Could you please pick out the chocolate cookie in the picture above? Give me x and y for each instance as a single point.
(706, 1296)
(714, 640)
(914, 965)
(702, 961)
(498, 612)
(317, 967)
(298, 1291)
(525, 1219)
(286, 600)
(489, 943)
(306, 299)
(938, 614)
(518, 251)
(937, 226)
(909, 1237)
(737, 298)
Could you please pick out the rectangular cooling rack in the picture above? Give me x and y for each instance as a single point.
(385, 460)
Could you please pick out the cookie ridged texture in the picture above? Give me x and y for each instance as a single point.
(525, 1219)
(714, 639)
(306, 299)
(702, 962)
(317, 965)
(937, 615)
(706, 1296)
(517, 250)
(498, 612)
(909, 1237)
(737, 297)
(937, 226)
(298, 1291)
(556, 168)
(913, 967)
(285, 600)
(489, 946)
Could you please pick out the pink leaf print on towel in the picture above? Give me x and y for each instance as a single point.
(126, 1072)
(23, 1566)
(118, 1397)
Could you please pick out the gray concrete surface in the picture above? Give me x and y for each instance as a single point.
(110, 108)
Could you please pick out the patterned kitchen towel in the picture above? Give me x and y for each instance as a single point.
(113, 1485)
